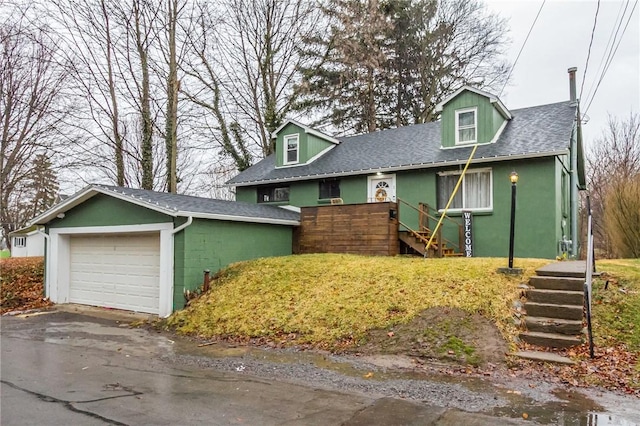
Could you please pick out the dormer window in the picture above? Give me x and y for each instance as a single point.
(466, 126)
(292, 149)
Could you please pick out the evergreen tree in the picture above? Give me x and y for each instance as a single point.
(42, 186)
(389, 63)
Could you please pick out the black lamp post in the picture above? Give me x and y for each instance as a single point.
(514, 180)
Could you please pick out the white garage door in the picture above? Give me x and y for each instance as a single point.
(117, 271)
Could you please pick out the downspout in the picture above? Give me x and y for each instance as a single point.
(48, 256)
(184, 225)
(573, 198)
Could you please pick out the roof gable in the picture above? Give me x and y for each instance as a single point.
(492, 99)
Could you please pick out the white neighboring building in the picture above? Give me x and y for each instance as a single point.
(27, 242)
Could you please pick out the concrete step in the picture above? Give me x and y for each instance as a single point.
(544, 357)
(574, 268)
(568, 312)
(557, 283)
(553, 325)
(556, 297)
(550, 340)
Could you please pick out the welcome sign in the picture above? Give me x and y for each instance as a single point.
(467, 218)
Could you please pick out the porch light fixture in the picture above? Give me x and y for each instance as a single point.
(513, 178)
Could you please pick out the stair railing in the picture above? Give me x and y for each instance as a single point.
(423, 223)
(588, 274)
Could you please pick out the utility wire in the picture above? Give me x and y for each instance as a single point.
(586, 65)
(522, 47)
(608, 64)
(610, 42)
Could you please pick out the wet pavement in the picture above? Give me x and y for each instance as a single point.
(72, 368)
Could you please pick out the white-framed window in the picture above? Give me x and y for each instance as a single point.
(291, 149)
(467, 125)
(475, 192)
(19, 242)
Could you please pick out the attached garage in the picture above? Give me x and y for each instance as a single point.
(141, 250)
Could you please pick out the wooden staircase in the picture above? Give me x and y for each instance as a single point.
(415, 242)
(554, 308)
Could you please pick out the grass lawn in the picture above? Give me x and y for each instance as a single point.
(333, 300)
(616, 310)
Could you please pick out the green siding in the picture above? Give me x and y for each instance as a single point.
(315, 146)
(538, 210)
(103, 210)
(308, 145)
(209, 244)
(247, 194)
(489, 119)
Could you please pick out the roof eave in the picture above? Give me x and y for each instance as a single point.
(402, 167)
(235, 218)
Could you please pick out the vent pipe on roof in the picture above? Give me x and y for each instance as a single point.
(572, 85)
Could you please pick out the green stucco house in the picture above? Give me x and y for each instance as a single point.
(140, 250)
(421, 164)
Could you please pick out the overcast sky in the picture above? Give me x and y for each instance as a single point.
(560, 40)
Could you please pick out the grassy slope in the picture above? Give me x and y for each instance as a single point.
(329, 299)
(616, 311)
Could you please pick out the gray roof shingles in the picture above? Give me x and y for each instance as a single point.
(186, 204)
(539, 130)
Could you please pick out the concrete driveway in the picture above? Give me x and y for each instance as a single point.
(66, 368)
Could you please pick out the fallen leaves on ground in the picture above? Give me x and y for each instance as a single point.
(614, 368)
(22, 284)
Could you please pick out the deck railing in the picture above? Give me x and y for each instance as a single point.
(424, 216)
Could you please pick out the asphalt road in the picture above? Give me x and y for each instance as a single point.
(69, 369)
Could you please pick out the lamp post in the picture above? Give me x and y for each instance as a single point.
(514, 180)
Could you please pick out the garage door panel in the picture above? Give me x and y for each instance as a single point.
(119, 271)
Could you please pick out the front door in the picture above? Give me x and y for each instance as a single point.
(382, 188)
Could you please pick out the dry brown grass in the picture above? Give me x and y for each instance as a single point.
(332, 299)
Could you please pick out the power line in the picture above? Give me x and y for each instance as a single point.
(608, 64)
(522, 47)
(586, 65)
(610, 41)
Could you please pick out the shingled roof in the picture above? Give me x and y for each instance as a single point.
(177, 205)
(532, 132)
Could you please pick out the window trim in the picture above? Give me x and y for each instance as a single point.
(271, 189)
(488, 209)
(328, 181)
(21, 244)
(458, 127)
(285, 141)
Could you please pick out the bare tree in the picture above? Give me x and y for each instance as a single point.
(613, 170)
(31, 110)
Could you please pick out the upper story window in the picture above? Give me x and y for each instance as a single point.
(475, 192)
(467, 125)
(269, 194)
(292, 149)
(329, 188)
(19, 241)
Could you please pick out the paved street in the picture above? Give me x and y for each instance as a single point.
(69, 369)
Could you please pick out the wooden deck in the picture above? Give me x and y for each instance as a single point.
(368, 229)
